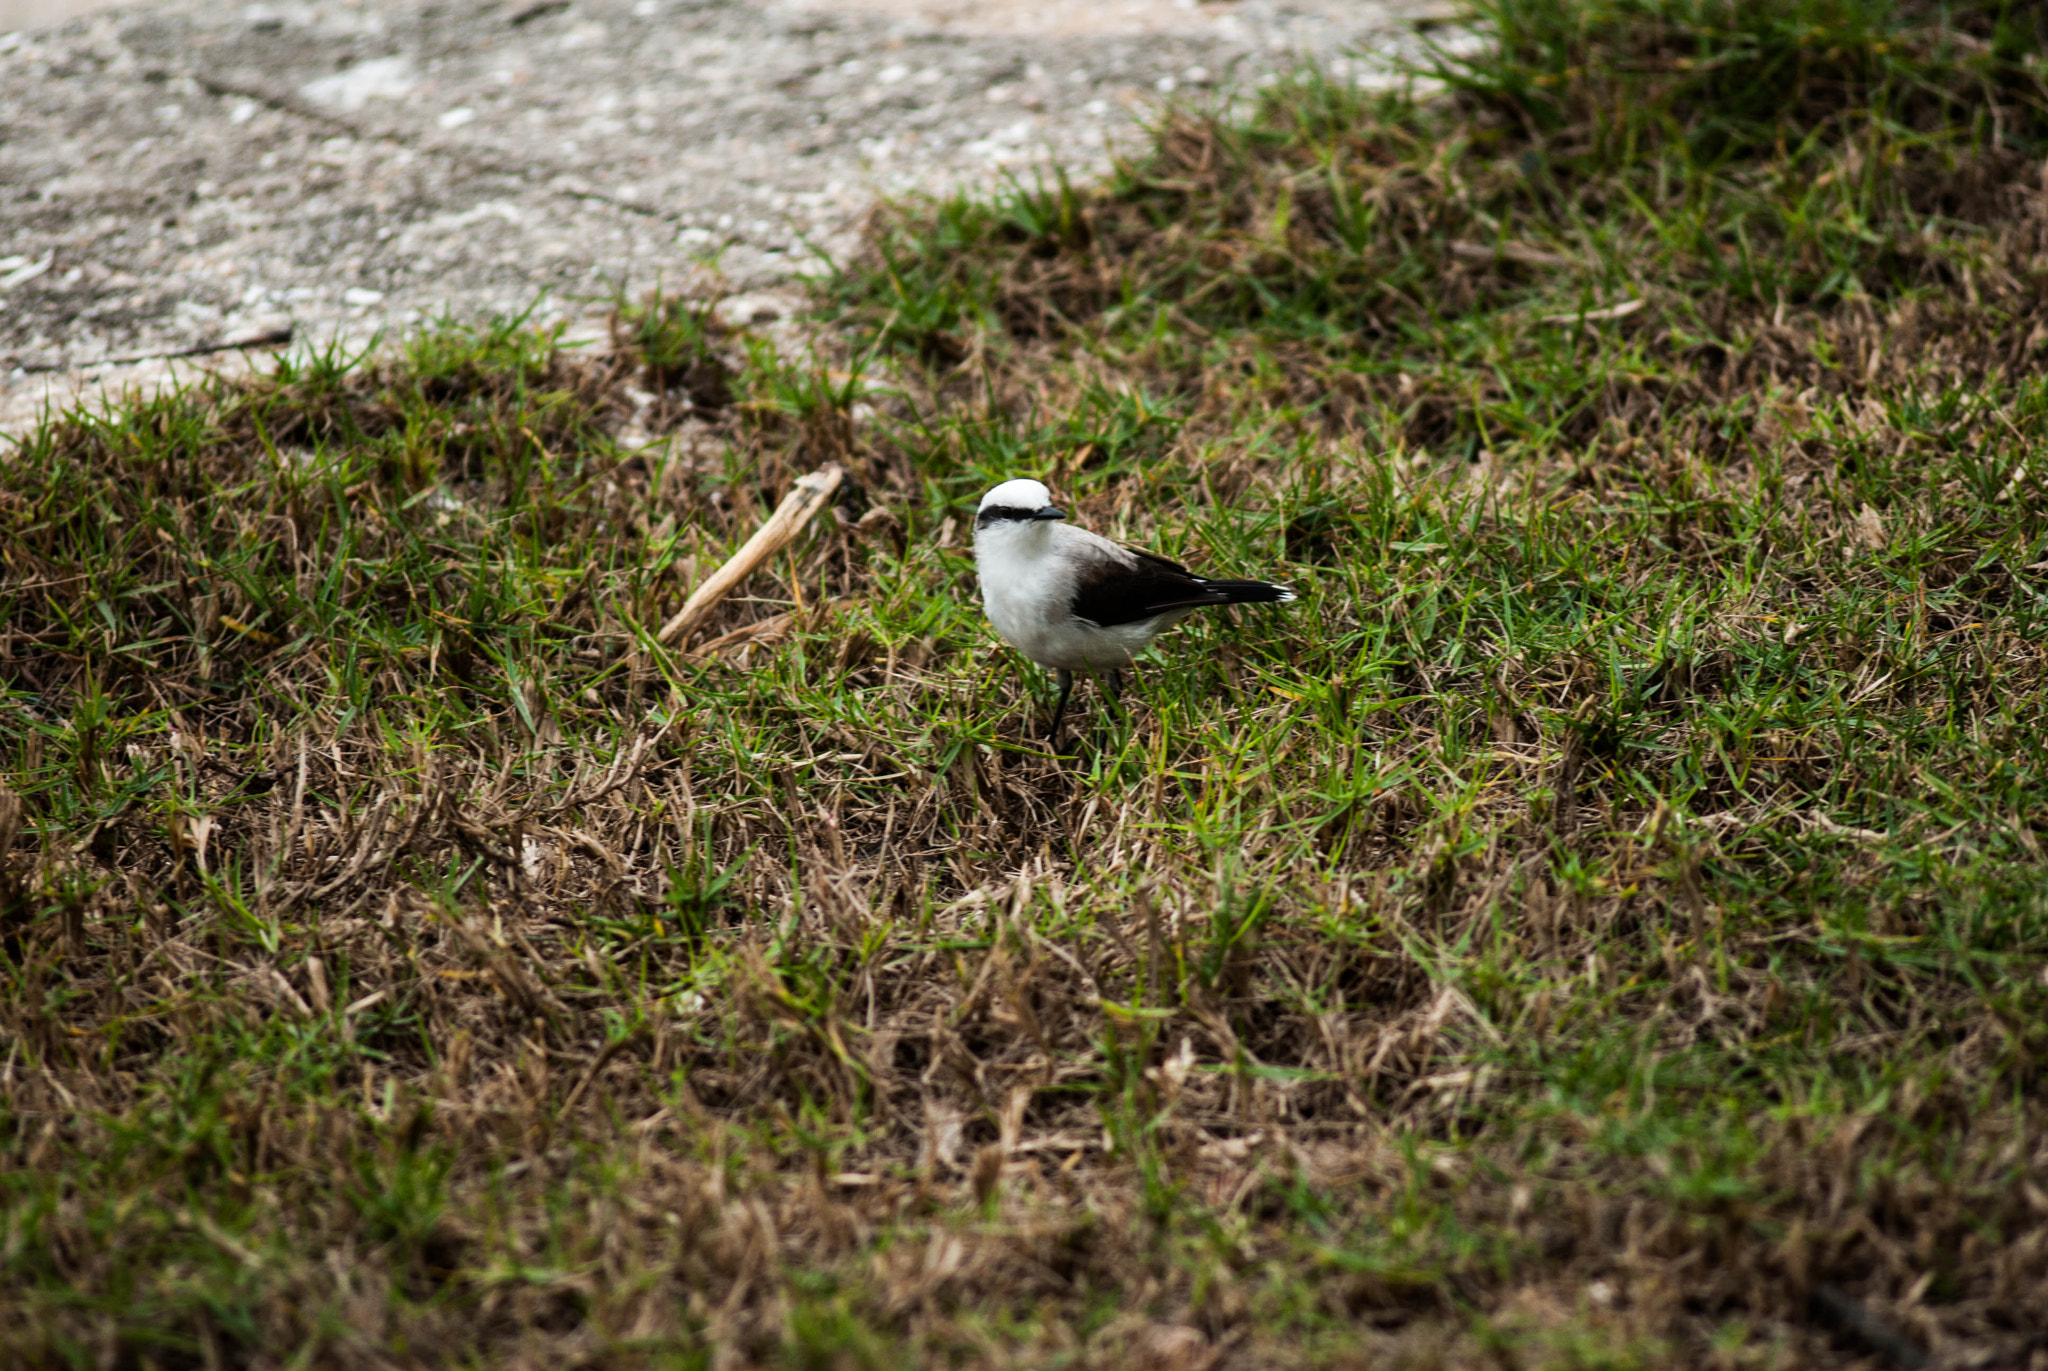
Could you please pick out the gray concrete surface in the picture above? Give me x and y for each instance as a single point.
(44, 14)
(178, 177)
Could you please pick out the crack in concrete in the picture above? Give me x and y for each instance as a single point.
(269, 338)
(291, 105)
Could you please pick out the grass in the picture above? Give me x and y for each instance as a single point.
(1604, 924)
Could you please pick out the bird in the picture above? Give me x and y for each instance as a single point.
(1071, 600)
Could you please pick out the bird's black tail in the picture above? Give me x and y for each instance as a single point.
(1248, 592)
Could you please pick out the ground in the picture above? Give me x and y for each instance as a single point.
(186, 176)
(1602, 923)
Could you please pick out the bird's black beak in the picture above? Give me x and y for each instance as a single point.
(1050, 512)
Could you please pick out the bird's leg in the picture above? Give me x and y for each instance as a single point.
(1066, 680)
(1116, 684)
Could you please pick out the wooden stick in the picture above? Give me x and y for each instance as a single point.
(810, 494)
(1510, 252)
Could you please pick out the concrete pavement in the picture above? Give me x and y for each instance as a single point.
(180, 177)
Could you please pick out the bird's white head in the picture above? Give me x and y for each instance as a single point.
(1016, 504)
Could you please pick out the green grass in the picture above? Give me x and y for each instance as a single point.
(1603, 924)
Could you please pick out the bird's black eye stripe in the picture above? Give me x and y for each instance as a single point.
(995, 512)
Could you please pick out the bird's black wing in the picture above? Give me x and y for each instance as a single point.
(1107, 592)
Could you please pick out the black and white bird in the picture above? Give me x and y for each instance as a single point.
(1074, 601)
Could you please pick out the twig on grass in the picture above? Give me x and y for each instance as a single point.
(808, 497)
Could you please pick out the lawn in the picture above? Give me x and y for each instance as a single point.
(1604, 923)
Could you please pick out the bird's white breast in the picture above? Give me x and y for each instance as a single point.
(1028, 574)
